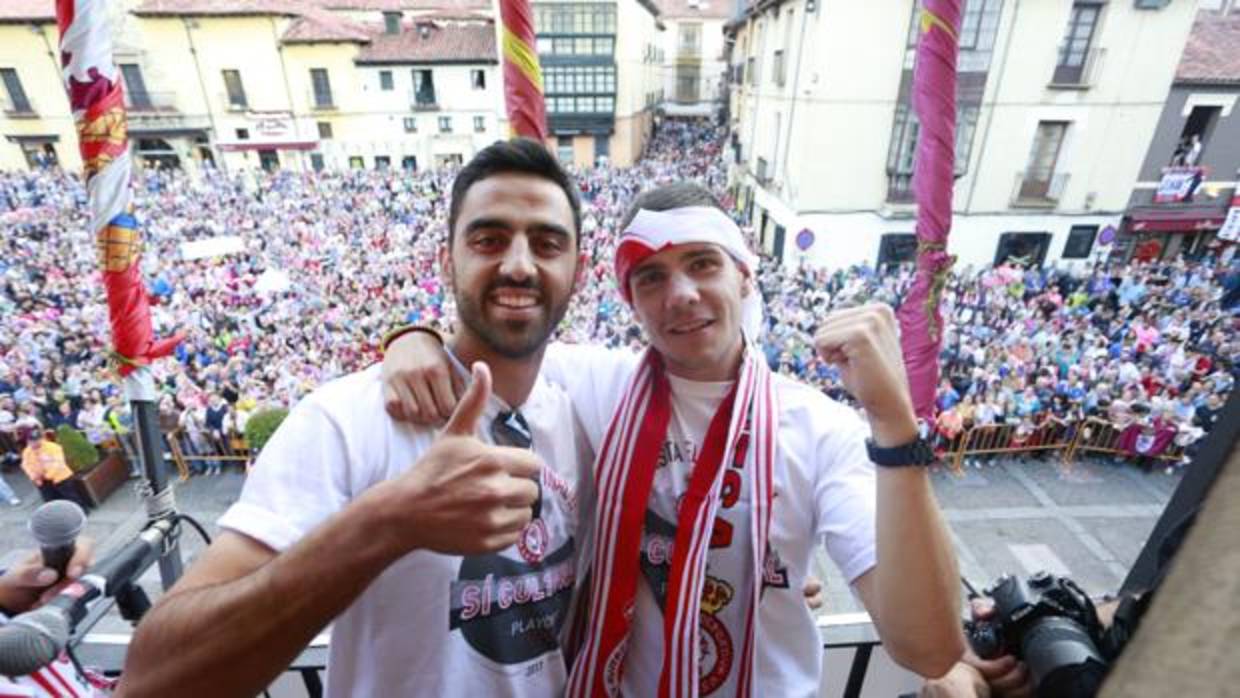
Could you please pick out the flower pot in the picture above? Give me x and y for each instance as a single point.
(104, 477)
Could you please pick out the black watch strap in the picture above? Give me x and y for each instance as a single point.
(916, 452)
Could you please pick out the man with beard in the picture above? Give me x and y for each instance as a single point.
(716, 481)
(446, 562)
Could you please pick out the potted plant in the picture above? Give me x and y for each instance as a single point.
(98, 477)
(260, 427)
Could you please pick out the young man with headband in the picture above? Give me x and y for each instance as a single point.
(716, 479)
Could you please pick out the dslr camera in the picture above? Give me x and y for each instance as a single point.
(1050, 624)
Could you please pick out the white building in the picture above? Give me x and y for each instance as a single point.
(1058, 102)
(693, 56)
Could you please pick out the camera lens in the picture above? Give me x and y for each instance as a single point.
(1062, 659)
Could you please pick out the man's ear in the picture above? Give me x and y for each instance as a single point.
(583, 271)
(445, 264)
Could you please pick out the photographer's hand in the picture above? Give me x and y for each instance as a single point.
(1006, 676)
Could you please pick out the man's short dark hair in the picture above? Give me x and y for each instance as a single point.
(519, 155)
(669, 196)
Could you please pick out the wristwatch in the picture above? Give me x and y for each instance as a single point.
(915, 452)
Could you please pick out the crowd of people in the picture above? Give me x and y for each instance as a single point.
(329, 261)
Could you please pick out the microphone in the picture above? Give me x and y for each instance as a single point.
(34, 639)
(56, 525)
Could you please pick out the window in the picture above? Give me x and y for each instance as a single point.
(1074, 49)
(480, 124)
(1080, 241)
(409, 163)
(478, 79)
(423, 88)
(316, 162)
(688, 79)
(269, 160)
(751, 69)
(602, 146)
(445, 124)
(575, 18)
(411, 125)
(980, 19)
(897, 248)
(18, 102)
(1024, 249)
(391, 22)
(777, 68)
(690, 40)
(564, 149)
(761, 169)
(386, 83)
(383, 162)
(1037, 182)
(903, 147)
(325, 130)
(322, 88)
(234, 89)
(135, 86)
(1196, 135)
(357, 162)
(243, 134)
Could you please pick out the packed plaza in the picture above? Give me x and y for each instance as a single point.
(330, 261)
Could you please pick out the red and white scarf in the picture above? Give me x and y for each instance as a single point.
(742, 432)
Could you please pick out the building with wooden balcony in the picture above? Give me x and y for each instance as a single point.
(1057, 103)
(1186, 199)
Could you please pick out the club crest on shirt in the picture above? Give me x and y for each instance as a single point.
(716, 652)
(532, 545)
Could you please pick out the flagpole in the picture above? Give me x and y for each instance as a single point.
(934, 99)
(523, 83)
(97, 100)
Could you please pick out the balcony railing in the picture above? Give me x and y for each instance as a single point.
(150, 102)
(25, 110)
(900, 187)
(423, 100)
(854, 661)
(1038, 190)
(234, 102)
(1079, 77)
(321, 101)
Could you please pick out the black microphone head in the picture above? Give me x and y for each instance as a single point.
(57, 523)
(32, 641)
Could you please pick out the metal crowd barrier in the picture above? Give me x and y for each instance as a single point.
(231, 449)
(1071, 439)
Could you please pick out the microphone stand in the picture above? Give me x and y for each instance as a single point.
(156, 490)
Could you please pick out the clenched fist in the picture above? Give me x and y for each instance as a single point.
(864, 343)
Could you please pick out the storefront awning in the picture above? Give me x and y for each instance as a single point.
(1175, 220)
(259, 145)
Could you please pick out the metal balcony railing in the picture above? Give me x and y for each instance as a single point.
(1079, 75)
(1038, 189)
(150, 102)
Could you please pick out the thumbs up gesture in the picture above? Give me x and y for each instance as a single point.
(464, 496)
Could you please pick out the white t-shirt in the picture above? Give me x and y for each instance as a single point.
(824, 492)
(431, 624)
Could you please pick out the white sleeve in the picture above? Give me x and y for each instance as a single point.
(299, 479)
(594, 378)
(845, 494)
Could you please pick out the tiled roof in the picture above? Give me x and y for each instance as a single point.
(22, 11)
(218, 8)
(416, 6)
(433, 42)
(688, 9)
(317, 26)
(1212, 54)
